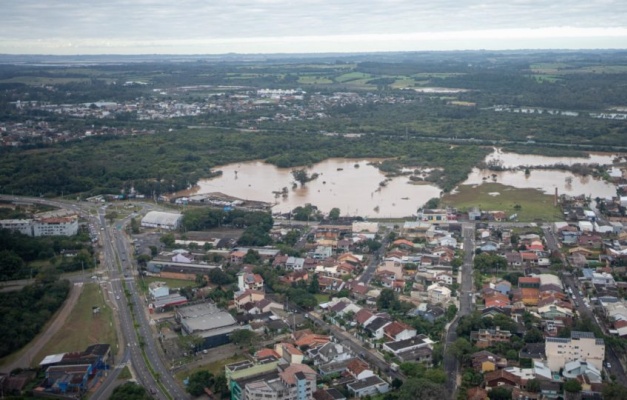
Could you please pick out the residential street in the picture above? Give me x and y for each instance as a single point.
(466, 291)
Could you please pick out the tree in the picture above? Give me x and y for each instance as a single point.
(419, 388)
(301, 176)
(219, 277)
(533, 386)
(252, 257)
(111, 216)
(220, 384)
(130, 391)
(572, 386)
(314, 285)
(432, 203)
(386, 300)
(334, 214)
(460, 349)
(153, 251)
(167, 240)
(244, 337)
(500, 393)
(134, 226)
(10, 264)
(533, 336)
(198, 381)
(614, 391)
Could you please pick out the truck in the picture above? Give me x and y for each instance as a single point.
(394, 367)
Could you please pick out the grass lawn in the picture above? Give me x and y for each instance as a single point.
(125, 374)
(82, 327)
(534, 205)
(322, 298)
(216, 367)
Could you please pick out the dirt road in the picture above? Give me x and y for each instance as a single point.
(25, 358)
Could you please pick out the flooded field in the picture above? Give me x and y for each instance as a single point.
(354, 186)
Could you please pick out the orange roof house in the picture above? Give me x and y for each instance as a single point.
(530, 296)
(496, 299)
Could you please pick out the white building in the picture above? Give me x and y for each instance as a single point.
(23, 226)
(580, 346)
(163, 220)
(48, 226)
(438, 293)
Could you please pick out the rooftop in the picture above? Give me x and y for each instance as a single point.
(204, 317)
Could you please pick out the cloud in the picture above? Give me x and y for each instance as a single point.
(156, 23)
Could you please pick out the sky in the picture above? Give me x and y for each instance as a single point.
(68, 27)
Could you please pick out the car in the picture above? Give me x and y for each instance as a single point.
(607, 364)
(117, 297)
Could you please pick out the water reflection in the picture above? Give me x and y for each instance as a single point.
(355, 188)
(351, 185)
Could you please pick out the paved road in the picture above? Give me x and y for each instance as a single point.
(466, 291)
(369, 271)
(131, 310)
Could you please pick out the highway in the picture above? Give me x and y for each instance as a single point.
(131, 311)
(466, 291)
(120, 291)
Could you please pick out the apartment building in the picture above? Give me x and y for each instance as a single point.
(580, 346)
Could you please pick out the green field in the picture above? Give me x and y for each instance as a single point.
(322, 298)
(534, 205)
(83, 327)
(352, 76)
(39, 80)
(314, 80)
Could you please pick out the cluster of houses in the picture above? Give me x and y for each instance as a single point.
(579, 357)
(16, 134)
(281, 372)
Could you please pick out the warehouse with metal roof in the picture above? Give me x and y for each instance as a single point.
(163, 220)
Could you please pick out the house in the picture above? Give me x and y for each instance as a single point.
(438, 293)
(399, 331)
(580, 346)
(363, 317)
(329, 352)
(249, 281)
(289, 353)
(306, 338)
(375, 327)
(419, 355)
(435, 215)
(496, 299)
(328, 394)
(415, 229)
(391, 266)
(322, 252)
(247, 296)
(359, 369)
(294, 263)
(485, 361)
(488, 337)
(501, 377)
(401, 346)
(476, 393)
(296, 381)
(372, 385)
(237, 257)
